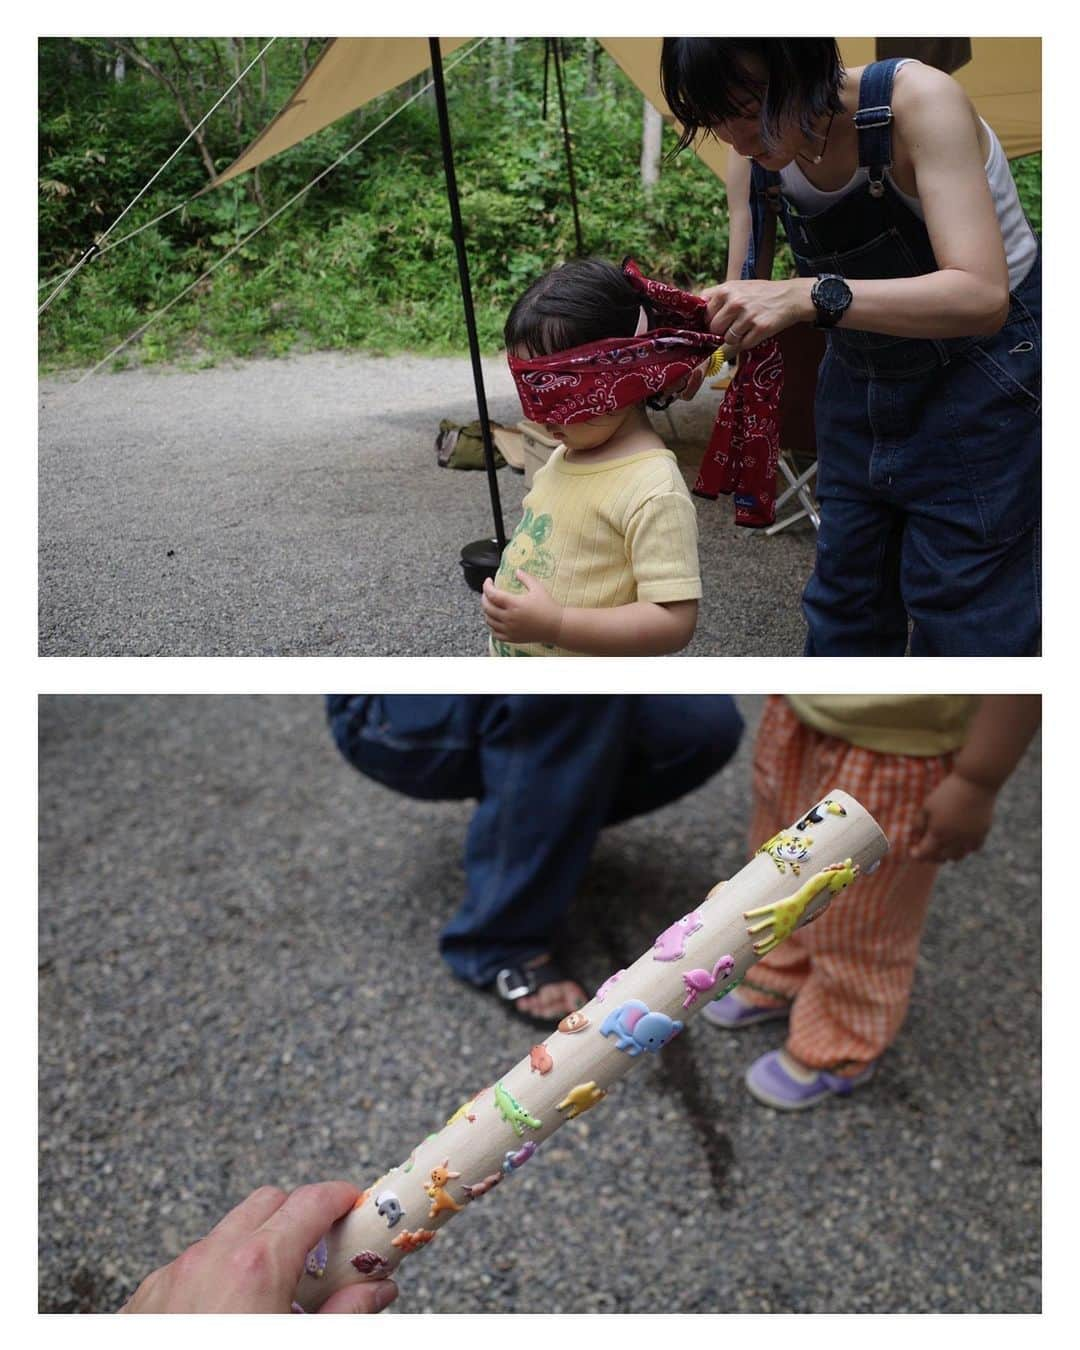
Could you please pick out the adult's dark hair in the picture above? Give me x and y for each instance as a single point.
(707, 81)
(584, 300)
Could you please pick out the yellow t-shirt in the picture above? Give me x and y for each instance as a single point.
(601, 535)
(892, 724)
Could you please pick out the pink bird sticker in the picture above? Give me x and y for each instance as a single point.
(701, 981)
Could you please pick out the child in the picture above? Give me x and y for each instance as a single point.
(604, 559)
(928, 768)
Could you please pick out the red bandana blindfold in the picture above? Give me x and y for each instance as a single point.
(602, 377)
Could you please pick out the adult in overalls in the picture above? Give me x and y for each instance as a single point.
(914, 254)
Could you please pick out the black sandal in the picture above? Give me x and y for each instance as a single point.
(514, 982)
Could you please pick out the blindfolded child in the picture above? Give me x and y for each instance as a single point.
(604, 559)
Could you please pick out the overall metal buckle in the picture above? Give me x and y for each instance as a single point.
(862, 117)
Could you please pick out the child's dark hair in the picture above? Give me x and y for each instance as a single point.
(707, 81)
(584, 300)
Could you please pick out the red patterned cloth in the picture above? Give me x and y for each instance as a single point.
(744, 448)
(602, 377)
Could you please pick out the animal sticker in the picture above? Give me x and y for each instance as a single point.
(515, 1158)
(389, 1206)
(573, 1022)
(315, 1261)
(463, 1112)
(779, 920)
(540, 1060)
(580, 1099)
(370, 1264)
(636, 1028)
(605, 988)
(410, 1242)
(441, 1199)
(701, 981)
(671, 944)
(787, 850)
(513, 1112)
(814, 815)
(474, 1190)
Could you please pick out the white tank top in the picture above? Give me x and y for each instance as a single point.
(1021, 246)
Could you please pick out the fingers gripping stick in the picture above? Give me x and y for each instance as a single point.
(634, 1014)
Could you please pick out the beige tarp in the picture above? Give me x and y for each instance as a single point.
(1004, 79)
(349, 73)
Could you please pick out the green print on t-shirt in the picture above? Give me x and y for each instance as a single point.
(526, 552)
(501, 648)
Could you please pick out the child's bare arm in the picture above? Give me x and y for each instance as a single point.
(958, 813)
(638, 629)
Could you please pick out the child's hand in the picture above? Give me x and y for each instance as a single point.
(532, 617)
(693, 382)
(956, 818)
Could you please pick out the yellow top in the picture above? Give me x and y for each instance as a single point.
(892, 724)
(604, 534)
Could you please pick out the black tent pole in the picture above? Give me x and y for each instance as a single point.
(466, 289)
(556, 45)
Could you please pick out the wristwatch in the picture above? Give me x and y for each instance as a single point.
(831, 296)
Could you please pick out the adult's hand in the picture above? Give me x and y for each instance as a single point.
(252, 1261)
(745, 313)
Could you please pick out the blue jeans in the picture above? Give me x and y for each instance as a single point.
(930, 501)
(548, 772)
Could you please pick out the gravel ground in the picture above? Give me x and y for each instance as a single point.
(294, 507)
(239, 984)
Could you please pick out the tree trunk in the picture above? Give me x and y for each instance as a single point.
(494, 73)
(119, 68)
(652, 127)
(594, 55)
(158, 73)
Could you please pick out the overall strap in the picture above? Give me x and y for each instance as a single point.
(764, 208)
(873, 121)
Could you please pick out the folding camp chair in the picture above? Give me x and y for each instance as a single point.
(798, 487)
(803, 348)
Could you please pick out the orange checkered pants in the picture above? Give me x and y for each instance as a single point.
(849, 973)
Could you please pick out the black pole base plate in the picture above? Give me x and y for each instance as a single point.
(480, 560)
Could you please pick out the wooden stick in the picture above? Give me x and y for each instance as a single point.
(635, 1012)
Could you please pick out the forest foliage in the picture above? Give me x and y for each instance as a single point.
(365, 259)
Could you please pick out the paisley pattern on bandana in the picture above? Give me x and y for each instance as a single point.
(744, 448)
(602, 377)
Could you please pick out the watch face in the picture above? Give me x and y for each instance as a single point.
(832, 293)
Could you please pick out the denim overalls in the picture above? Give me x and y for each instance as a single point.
(548, 772)
(929, 452)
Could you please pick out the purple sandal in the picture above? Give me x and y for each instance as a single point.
(731, 1012)
(772, 1085)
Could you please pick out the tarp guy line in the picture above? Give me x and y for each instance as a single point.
(94, 248)
(240, 244)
